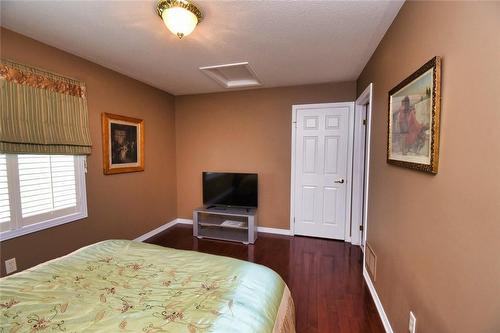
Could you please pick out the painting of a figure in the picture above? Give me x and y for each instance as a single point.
(123, 144)
(413, 113)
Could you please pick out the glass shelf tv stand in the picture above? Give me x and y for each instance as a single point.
(230, 224)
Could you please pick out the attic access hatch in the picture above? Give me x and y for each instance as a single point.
(238, 75)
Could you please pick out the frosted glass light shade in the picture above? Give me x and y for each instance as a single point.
(179, 21)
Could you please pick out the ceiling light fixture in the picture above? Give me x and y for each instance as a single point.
(180, 16)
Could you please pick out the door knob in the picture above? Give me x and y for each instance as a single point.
(340, 181)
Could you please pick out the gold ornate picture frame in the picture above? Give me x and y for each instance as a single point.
(122, 144)
(414, 119)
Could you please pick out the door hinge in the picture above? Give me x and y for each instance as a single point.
(361, 228)
(364, 122)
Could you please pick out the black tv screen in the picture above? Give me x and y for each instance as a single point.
(230, 189)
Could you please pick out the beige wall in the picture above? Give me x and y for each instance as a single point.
(119, 206)
(437, 237)
(244, 131)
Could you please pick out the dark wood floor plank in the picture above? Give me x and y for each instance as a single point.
(324, 276)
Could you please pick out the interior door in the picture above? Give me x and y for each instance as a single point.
(321, 159)
(358, 174)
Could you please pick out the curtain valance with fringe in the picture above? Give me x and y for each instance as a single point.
(42, 112)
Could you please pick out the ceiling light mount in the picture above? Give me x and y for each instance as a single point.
(180, 16)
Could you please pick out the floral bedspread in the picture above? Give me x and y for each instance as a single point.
(120, 285)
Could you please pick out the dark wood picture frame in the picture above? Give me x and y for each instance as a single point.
(122, 144)
(424, 136)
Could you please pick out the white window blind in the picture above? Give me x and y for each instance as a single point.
(4, 195)
(47, 183)
(40, 191)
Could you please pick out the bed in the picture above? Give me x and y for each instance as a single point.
(120, 285)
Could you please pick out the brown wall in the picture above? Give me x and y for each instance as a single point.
(119, 206)
(244, 131)
(436, 237)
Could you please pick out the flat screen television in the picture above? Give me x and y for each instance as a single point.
(230, 189)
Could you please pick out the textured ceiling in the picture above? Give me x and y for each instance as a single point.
(286, 43)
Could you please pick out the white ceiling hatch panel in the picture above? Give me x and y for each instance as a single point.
(286, 42)
(238, 75)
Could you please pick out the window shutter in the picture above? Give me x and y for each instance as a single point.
(63, 181)
(4, 195)
(47, 183)
(39, 192)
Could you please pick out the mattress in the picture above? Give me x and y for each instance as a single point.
(120, 285)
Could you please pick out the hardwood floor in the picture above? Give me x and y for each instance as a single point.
(324, 276)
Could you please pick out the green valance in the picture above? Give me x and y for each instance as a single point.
(42, 112)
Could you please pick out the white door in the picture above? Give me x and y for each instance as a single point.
(321, 160)
(358, 174)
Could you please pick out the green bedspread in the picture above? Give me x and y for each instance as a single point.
(120, 285)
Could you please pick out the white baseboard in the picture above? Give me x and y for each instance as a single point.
(184, 221)
(275, 231)
(378, 304)
(259, 229)
(188, 221)
(156, 231)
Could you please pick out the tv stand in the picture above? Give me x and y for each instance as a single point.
(226, 223)
(232, 209)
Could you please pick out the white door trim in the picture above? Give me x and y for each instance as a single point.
(350, 141)
(366, 97)
(362, 111)
(358, 172)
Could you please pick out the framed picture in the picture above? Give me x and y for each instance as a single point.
(414, 112)
(123, 144)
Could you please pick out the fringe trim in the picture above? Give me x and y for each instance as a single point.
(285, 319)
(33, 77)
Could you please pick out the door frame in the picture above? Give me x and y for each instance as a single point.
(366, 97)
(350, 141)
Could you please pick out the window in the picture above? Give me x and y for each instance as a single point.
(39, 192)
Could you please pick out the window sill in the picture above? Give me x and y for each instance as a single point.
(42, 225)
